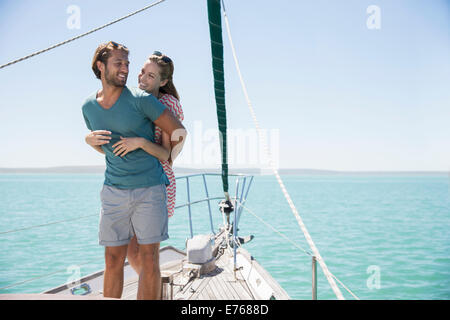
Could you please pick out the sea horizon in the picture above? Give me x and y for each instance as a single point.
(232, 170)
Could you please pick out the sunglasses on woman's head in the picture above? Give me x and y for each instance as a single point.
(166, 59)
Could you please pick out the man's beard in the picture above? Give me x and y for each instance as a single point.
(113, 81)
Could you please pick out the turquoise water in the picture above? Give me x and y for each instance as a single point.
(384, 237)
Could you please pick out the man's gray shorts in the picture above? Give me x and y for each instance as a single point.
(128, 212)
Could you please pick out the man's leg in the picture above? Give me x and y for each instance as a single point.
(150, 276)
(113, 276)
(133, 255)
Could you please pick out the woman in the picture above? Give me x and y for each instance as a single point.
(155, 78)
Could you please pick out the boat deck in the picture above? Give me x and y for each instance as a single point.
(220, 284)
(249, 282)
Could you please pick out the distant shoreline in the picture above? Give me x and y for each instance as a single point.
(254, 171)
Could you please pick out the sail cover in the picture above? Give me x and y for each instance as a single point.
(215, 31)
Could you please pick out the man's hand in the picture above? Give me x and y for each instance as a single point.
(98, 138)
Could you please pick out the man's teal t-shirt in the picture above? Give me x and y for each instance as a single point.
(131, 116)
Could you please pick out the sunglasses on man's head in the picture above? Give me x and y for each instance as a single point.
(104, 51)
(116, 45)
(166, 59)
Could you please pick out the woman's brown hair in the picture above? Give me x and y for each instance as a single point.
(166, 69)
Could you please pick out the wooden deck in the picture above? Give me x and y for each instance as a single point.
(220, 284)
(217, 285)
(250, 282)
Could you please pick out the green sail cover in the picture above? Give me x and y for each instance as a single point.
(215, 31)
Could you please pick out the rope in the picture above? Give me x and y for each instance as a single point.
(47, 224)
(263, 142)
(80, 36)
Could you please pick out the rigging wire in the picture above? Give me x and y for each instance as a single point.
(46, 224)
(294, 244)
(349, 291)
(275, 230)
(313, 247)
(81, 35)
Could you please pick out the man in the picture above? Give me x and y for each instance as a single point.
(134, 192)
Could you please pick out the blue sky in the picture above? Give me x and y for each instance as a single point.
(339, 95)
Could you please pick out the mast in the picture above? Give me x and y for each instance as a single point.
(215, 31)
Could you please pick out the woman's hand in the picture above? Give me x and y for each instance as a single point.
(125, 145)
(98, 137)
